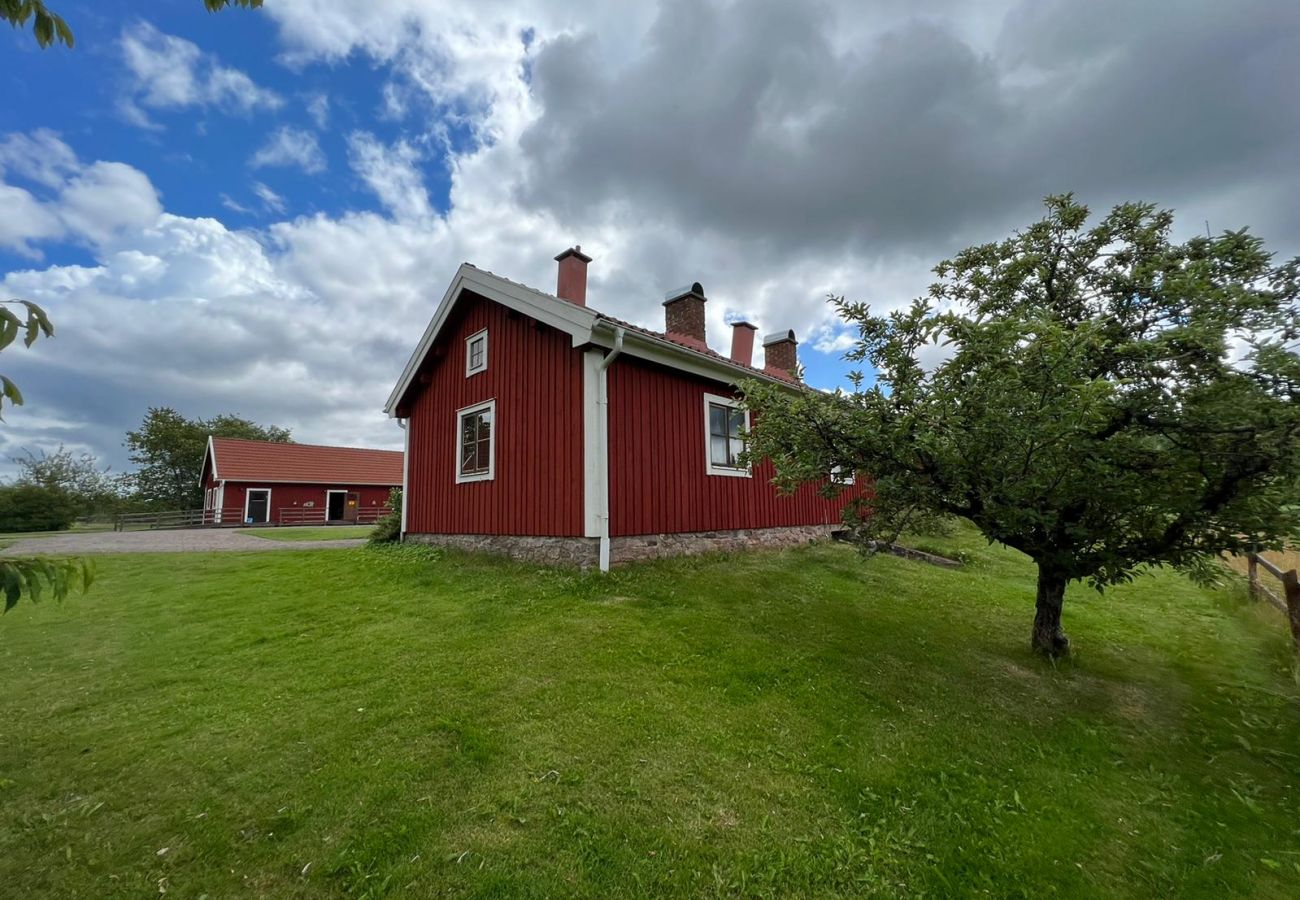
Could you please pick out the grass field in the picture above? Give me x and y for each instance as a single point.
(387, 721)
(313, 532)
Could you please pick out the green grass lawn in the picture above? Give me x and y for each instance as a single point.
(313, 532)
(391, 722)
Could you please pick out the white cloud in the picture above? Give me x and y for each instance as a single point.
(289, 146)
(92, 203)
(25, 219)
(168, 72)
(318, 107)
(270, 199)
(234, 205)
(392, 173)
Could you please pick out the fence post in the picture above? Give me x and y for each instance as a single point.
(1252, 575)
(1291, 586)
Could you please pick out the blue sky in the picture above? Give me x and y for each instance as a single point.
(257, 211)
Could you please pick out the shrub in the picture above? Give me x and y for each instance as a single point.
(389, 528)
(31, 507)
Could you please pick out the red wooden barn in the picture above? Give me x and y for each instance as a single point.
(253, 482)
(539, 427)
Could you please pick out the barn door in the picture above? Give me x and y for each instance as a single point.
(353, 507)
(259, 506)
(336, 505)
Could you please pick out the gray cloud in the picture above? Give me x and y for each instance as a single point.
(752, 121)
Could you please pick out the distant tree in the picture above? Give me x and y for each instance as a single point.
(48, 27)
(93, 489)
(1111, 400)
(35, 507)
(168, 448)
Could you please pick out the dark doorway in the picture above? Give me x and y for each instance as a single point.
(335, 505)
(259, 505)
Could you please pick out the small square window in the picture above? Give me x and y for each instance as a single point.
(726, 425)
(476, 353)
(843, 476)
(475, 434)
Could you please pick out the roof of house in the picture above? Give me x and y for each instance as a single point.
(265, 461)
(587, 326)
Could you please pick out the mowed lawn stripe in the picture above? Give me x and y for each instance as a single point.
(401, 722)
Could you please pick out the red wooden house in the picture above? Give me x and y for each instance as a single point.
(255, 482)
(539, 427)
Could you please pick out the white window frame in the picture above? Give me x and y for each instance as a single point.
(327, 505)
(489, 406)
(248, 495)
(470, 369)
(710, 468)
(842, 477)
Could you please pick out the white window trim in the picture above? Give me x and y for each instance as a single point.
(327, 505)
(248, 495)
(845, 479)
(491, 407)
(469, 340)
(710, 468)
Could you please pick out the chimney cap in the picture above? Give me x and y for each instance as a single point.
(778, 337)
(688, 290)
(575, 250)
(741, 323)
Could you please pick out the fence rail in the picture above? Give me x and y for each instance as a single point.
(1289, 600)
(233, 517)
(299, 515)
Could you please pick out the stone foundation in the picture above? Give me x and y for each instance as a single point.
(584, 552)
(551, 551)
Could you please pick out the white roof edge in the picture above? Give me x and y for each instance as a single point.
(578, 321)
(568, 317)
(210, 453)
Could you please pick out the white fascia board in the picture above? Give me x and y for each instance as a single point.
(210, 453)
(575, 320)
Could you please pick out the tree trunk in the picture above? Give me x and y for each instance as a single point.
(1048, 638)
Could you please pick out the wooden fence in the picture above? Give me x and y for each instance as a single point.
(1288, 601)
(233, 517)
(299, 515)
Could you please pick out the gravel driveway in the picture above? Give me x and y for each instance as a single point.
(182, 540)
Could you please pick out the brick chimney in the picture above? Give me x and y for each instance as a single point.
(781, 354)
(571, 280)
(742, 343)
(684, 315)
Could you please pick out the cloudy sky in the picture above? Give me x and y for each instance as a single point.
(256, 212)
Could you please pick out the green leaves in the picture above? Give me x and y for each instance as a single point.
(35, 325)
(49, 27)
(1096, 395)
(34, 576)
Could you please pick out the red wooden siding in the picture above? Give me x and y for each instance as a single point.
(293, 496)
(659, 481)
(535, 376)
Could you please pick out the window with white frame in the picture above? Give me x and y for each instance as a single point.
(726, 425)
(843, 476)
(476, 349)
(475, 442)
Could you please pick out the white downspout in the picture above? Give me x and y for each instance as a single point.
(406, 468)
(602, 436)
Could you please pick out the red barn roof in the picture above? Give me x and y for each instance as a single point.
(238, 460)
